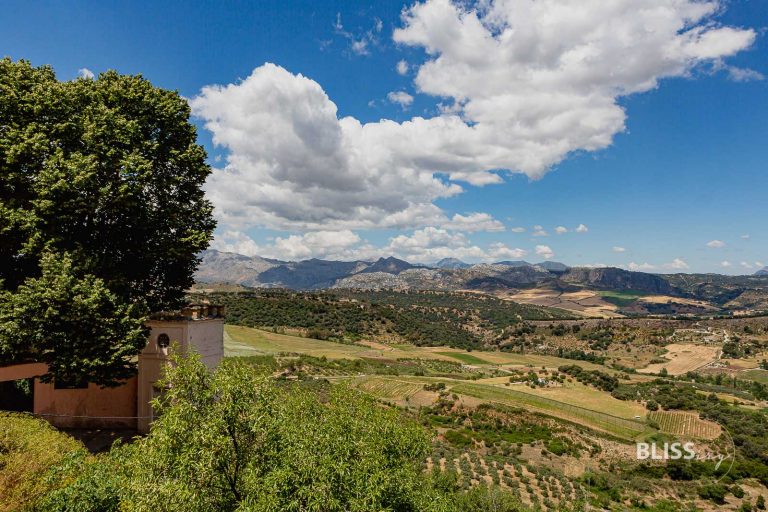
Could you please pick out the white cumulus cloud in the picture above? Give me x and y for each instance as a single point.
(401, 98)
(401, 67)
(616, 248)
(676, 264)
(524, 83)
(716, 244)
(581, 228)
(431, 244)
(499, 251)
(561, 230)
(545, 252)
(640, 267)
(426, 245)
(360, 43)
(85, 73)
(743, 74)
(474, 222)
(341, 245)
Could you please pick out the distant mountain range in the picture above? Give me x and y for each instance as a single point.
(762, 272)
(447, 274)
(503, 277)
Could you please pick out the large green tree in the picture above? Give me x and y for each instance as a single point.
(105, 173)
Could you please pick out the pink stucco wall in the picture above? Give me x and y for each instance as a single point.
(87, 408)
(127, 406)
(22, 371)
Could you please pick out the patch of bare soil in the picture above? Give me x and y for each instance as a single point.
(683, 358)
(584, 302)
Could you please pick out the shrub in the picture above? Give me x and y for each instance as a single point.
(29, 447)
(714, 492)
(237, 439)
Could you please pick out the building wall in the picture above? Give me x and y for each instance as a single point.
(127, 406)
(207, 339)
(22, 371)
(87, 408)
(204, 336)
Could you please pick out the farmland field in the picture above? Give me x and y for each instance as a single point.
(385, 387)
(622, 427)
(575, 393)
(683, 358)
(464, 358)
(246, 341)
(583, 302)
(755, 375)
(686, 424)
(621, 298)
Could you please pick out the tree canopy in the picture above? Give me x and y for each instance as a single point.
(105, 174)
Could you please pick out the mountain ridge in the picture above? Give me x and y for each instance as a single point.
(449, 273)
(549, 280)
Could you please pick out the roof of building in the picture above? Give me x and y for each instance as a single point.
(192, 312)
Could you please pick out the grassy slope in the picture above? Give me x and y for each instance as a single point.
(573, 401)
(244, 341)
(755, 375)
(465, 358)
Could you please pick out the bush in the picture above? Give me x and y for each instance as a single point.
(714, 492)
(29, 447)
(237, 439)
(482, 498)
(93, 484)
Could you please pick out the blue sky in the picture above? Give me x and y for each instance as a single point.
(664, 176)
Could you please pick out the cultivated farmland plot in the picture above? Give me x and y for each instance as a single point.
(247, 341)
(620, 427)
(686, 424)
(385, 387)
(683, 358)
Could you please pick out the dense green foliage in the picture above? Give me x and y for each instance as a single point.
(580, 355)
(266, 448)
(77, 326)
(496, 432)
(29, 447)
(422, 318)
(596, 378)
(238, 439)
(302, 365)
(723, 383)
(105, 174)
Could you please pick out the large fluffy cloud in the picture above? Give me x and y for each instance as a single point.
(522, 84)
